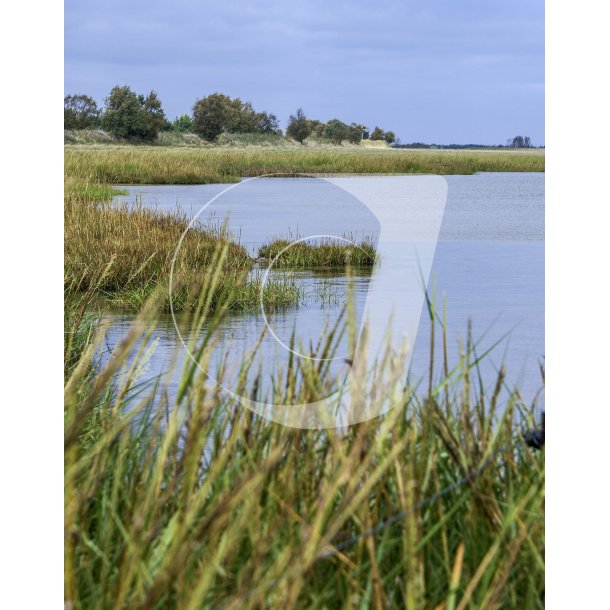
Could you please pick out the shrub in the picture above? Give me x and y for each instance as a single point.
(182, 124)
(298, 126)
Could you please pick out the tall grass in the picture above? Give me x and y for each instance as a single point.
(189, 500)
(326, 253)
(125, 254)
(156, 165)
(185, 499)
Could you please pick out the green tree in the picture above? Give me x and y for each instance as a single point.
(80, 112)
(214, 114)
(336, 131)
(154, 119)
(267, 123)
(389, 137)
(298, 126)
(246, 119)
(182, 124)
(377, 134)
(218, 113)
(129, 115)
(123, 114)
(355, 133)
(317, 128)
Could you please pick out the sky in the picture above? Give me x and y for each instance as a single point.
(434, 71)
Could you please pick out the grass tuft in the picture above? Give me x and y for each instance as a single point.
(326, 253)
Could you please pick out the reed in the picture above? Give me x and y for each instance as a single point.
(182, 498)
(188, 500)
(180, 165)
(324, 253)
(125, 255)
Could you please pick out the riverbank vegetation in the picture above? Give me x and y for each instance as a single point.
(156, 165)
(178, 497)
(186, 499)
(128, 254)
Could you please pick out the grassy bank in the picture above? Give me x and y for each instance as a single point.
(157, 165)
(188, 500)
(125, 255)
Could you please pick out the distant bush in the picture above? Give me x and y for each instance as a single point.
(128, 115)
(299, 127)
(182, 124)
(520, 142)
(337, 131)
(80, 112)
(218, 113)
(380, 134)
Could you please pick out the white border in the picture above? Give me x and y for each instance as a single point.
(577, 257)
(32, 305)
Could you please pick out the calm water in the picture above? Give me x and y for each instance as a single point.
(488, 265)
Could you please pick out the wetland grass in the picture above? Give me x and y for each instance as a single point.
(284, 253)
(191, 501)
(125, 255)
(186, 500)
(165, 165)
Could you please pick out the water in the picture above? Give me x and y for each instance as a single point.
(488, 265)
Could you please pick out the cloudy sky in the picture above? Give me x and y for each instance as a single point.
(444, 71)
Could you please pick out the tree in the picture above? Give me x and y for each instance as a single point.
(268, 123)
(336, 131)
(182, 124)
(355, 133)
(154, 120)
(298, 126)
(80, 112)
(123, 114)
(246, 119)
(218, 113)
(520, 142)
(214, 114)
(377, 134)
(389, 137)
(317, 127)
(129, 115)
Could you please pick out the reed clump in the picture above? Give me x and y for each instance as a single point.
(125, 254)
(327, 252)
(187, 499)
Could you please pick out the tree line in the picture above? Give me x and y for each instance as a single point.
(516, 142)
(127, 114)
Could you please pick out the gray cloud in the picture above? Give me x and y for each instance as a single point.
(440, 71)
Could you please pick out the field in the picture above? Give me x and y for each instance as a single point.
(166, 165)
(186, 499)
